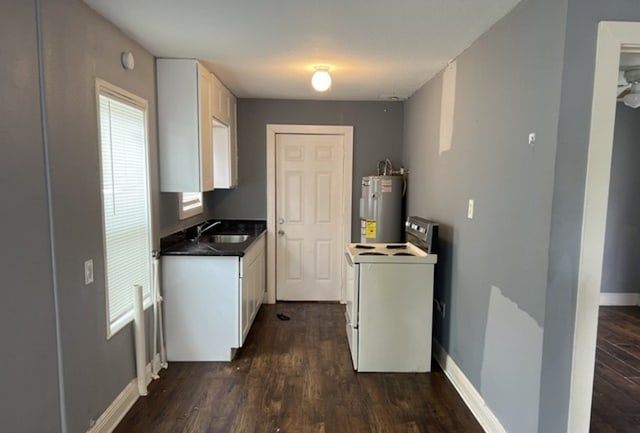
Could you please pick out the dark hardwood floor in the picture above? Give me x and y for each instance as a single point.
(296, 377)
(616, 387)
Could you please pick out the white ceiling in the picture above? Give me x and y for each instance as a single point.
(267, 49)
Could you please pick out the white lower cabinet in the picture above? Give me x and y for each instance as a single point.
(252, 286)
(210, 302)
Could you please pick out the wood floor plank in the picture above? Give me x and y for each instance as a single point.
(622, 323)
(616, 387)
(632, 351)
(618, 360)
(296, 377)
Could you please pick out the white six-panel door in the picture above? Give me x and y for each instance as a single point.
(309, 221)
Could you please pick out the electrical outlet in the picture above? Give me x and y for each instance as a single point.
(470, 209)
(88, 272)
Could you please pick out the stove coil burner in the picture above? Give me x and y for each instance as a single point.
(396, 247)
(372, 253)
(364, 247)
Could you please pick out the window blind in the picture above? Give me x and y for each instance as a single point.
(190, 204)
(125, 196)
(191, 200)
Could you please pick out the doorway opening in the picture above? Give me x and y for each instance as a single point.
(613, 38)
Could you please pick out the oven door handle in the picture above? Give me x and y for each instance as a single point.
(349, 261)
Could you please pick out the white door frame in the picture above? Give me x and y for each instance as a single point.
(612, 38)
(347, 169)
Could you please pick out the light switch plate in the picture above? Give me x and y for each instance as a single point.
(88, 272)
(470, 209)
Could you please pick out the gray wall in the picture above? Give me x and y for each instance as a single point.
(78, 47)
(492, 270)
(377, 129)
(571, 158)
(81, 46)
(28, 379)
(620, 271)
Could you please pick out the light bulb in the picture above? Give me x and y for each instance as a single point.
(321, 80)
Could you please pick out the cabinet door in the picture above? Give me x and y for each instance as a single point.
(206, 139)
(225, 142)
(253, 279)
(260, 279)
(184, 126)
(178, 125)
(257, 271)
(201, 307)
(217, 98)
(227, 104)
(245, 302)
(233, 148)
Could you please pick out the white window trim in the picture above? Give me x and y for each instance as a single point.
(186, 213)
(108, 89)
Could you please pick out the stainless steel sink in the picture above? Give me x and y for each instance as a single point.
(228, 239)
(203, 248)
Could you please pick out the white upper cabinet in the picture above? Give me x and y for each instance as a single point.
(223, 126)
(184, 126)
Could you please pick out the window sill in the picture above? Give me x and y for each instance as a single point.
(117, 325)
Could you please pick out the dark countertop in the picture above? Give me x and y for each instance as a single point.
(181, 243)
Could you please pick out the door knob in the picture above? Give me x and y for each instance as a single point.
(281, 221)
(280, 232)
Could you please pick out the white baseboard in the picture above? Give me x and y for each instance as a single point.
(467, 391)
(619, 299)
(110, 418)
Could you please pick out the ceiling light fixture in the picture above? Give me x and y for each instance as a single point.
(321, 80)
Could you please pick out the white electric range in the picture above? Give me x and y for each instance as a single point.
(390, 301)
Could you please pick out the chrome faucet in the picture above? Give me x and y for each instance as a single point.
(204, 227)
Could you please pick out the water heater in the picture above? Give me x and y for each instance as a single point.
(381, 209)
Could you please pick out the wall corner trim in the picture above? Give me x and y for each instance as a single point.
(467, 391)
(112, 416)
